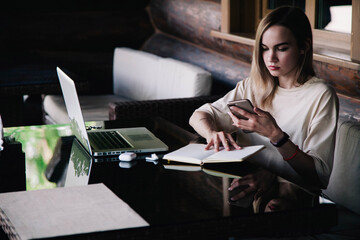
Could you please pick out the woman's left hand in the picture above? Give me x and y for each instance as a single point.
(262, 122)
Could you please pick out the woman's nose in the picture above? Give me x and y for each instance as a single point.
(272, 56)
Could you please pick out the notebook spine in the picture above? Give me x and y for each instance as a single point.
(8, 227)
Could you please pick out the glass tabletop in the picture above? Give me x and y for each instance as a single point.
(162, 192)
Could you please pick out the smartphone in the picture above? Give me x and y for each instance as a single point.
(244, 104)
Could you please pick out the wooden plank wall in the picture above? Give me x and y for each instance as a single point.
(183, 32)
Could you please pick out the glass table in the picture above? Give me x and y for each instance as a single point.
(177, 200)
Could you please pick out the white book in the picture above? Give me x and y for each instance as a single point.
(196, 154)
(65, 211)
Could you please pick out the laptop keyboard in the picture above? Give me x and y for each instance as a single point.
(108, 140)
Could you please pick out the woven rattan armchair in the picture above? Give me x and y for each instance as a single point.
(177, 110)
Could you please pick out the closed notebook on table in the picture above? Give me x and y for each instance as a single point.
(65, 211)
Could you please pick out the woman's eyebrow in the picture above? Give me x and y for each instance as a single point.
(277, 45)
(280, 44)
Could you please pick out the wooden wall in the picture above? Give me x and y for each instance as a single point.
(183, 32)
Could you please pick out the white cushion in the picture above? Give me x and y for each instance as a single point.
(93, 107)
(344, 184)
(139, 75)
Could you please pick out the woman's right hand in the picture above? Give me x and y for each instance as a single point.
(217, 139)
(203, 123)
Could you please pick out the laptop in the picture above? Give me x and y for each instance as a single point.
(105, 142)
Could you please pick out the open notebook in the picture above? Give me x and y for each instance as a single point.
(196, 154)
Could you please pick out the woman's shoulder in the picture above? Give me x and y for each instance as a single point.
(318, 84)
(243, 88)
(320, 88)
(315, 81)
(244, 84)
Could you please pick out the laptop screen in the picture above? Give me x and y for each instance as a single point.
(73, 108)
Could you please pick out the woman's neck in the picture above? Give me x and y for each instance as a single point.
(288, 84)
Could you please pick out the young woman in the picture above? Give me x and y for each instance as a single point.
(296, 113)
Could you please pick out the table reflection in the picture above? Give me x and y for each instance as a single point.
(279, 195)
(39, 145)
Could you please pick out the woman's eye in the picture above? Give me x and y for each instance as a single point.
(283, 49)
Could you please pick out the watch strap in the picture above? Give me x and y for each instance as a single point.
(282, 141)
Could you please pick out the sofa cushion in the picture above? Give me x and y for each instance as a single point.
(93, 107)
(139, 75)
(344, 184)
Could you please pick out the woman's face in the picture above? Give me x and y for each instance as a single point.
(280, 53)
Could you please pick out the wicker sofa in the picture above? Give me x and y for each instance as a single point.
(137, 76)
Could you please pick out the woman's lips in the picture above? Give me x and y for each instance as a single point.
(273, 68)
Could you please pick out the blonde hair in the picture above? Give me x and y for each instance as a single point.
(264, 85)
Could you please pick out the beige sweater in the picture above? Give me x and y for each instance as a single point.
(309, 115)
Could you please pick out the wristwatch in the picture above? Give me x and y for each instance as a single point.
(282, 141)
